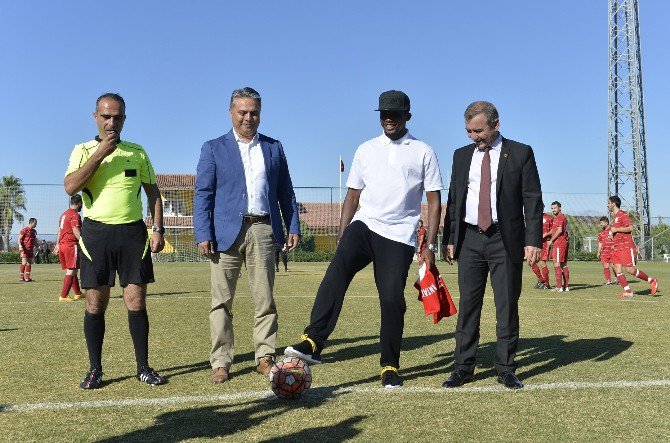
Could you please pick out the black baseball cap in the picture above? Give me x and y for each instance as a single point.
(393, 101)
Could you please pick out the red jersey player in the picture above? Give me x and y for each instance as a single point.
(559, 242)
(67, 248)
(624, 251)
(540, 269)
(605, 245)
(27, 242)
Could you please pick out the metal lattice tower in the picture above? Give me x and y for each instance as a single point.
(626, 151)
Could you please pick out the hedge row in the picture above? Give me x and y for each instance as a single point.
(314, 256)
(13, 257)
(297, 256)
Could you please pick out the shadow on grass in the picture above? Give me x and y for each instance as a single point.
(176, 371)
(244, 362)
(539, 355)
(165, 294)
(548, 353)
(536, 356)
(582, 286)
(219, 421)
(341, 431)
(161, 294)
(365, 350)
(106, 382)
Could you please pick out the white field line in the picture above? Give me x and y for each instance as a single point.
(175, 297)
(258, 394)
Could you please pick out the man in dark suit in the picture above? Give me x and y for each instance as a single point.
(243, 190)
(493, 224)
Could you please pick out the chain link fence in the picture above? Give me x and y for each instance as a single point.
(319, 216)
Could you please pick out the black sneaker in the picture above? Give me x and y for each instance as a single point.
(93, 380)
(539, 285)
(305, 350)
(150, 377)
(390, 378)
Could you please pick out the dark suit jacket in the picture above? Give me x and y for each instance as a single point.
(219, 201)
(519, 199)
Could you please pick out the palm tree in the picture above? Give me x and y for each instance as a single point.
(12, 201)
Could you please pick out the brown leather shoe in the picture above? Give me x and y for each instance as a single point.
(265, 364)
(220, 375)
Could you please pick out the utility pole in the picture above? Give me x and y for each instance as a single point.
(626, 151)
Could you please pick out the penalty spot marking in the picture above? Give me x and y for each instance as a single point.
(324, 393)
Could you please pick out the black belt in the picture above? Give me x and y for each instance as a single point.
(255, 218)
(493, 229)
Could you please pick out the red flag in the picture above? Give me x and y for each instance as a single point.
(434, 294)
(341, 166)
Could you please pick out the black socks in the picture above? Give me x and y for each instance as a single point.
(94, 332)
(138, 323)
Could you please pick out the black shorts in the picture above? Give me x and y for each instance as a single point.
(108, 249)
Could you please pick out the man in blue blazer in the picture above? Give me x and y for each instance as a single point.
(243, 190)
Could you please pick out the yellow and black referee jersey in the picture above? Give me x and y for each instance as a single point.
(113, 195)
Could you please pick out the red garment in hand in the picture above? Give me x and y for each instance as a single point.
(434, 294)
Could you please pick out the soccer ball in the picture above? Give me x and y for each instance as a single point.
(290, 378)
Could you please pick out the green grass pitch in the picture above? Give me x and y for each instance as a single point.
(595, 368)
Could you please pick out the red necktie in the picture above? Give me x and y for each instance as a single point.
(484, 212)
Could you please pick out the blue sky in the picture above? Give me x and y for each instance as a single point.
(320, 68)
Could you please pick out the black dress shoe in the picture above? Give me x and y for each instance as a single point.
(458, 378)
(510, 380)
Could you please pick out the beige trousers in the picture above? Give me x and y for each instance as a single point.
(254, 246)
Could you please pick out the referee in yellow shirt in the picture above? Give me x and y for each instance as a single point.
(111, 173)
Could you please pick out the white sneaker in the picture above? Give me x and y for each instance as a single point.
(567, 289)
(558, 289)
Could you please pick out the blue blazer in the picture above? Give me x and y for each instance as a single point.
(219, 201)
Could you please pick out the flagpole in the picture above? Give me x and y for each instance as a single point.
(341, 163)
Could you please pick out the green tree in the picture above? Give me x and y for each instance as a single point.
(12, 202)
(307, 242)
(579, 227)
(661, 234)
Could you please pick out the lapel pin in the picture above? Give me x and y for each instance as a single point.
(506, 154)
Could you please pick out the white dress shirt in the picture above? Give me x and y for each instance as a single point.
(474, 178)
(393, 176)
(254, 174)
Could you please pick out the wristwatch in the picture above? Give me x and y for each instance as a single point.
(432, 247)
(160, 230)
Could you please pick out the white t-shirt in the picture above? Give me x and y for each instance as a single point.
(393, 176)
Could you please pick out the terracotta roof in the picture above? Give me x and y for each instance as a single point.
(327, 215)
(170, 221)
(175, 181)
(320, 217)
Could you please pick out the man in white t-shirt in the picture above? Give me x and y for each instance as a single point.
(387, 179)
